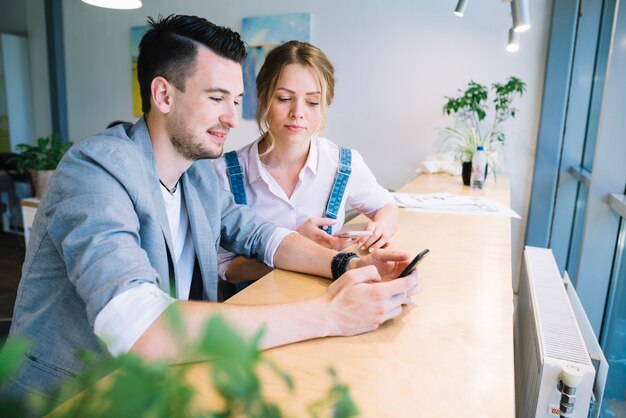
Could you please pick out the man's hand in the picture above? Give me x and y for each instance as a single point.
(389, 263)
(359, 301)
(310, 229)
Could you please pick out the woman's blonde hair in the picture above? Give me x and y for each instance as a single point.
(292, 52)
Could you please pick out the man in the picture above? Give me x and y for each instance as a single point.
(133, 217)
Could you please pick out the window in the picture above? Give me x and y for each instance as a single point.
(577, 202)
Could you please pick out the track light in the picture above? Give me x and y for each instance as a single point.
(513, 45)
(115, 4)
(521, 15)
(460, 8)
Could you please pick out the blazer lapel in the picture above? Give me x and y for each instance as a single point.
(141, 136)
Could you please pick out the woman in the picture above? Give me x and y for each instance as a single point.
(287, 175)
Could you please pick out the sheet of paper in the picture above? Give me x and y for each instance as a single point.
(451, 203)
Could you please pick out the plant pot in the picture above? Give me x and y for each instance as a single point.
(40, 181)
(466, 172)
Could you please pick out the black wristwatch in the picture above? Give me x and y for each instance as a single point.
(340, 263)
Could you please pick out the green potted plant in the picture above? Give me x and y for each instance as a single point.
(470, 111)
(140, 388)
(41, 160)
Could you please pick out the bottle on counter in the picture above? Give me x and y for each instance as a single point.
(479, 164)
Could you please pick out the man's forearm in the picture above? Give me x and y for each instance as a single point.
(358, 301)
(297, 253)
(284, 324)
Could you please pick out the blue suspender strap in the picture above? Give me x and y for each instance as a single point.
(235, 177)
(339, 186)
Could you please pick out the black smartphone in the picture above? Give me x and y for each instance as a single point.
(413, 264)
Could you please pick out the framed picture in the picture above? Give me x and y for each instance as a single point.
(262, 34)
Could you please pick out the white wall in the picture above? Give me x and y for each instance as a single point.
(394, 61)
(26, 18)
(38, 49)
(19, 105)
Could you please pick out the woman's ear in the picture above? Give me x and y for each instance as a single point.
(161, 94)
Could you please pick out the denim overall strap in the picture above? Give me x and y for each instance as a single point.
(235, 177)
(339, 186)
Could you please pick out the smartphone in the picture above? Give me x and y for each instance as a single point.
(352, 234)
(413, 264)
(354, 230)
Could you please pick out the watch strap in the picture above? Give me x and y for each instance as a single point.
(339, 264)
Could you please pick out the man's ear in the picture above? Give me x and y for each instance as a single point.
(161, 94)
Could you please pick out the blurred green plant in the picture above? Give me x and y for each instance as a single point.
(338, 401)
(45, 155)
(470, 111)
(11, 358)
(137, 388)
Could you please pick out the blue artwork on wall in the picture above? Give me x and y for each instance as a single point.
(262, 34)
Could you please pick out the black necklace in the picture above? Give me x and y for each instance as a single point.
(172, 190)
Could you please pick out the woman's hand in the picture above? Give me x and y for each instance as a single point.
(383, 225)
(310, 229)
(378, 239)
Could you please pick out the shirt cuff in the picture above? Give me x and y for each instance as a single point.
(224, 258)
(128, 315)
(273, 243)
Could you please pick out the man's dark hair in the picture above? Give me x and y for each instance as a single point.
(169, 50)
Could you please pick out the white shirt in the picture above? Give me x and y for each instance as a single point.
(183, 254)
(310, 196)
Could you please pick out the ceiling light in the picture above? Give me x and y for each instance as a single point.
(521, 15)
(460, 8)
(513, 45)
(115, 4)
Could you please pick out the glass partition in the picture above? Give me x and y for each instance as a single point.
(613, 340)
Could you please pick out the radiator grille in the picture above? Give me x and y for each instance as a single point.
(560, 334)
(546, 334)
(528, 358)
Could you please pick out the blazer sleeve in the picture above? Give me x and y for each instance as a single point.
(94, 226)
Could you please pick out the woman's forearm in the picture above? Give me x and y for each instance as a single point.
(387, 218)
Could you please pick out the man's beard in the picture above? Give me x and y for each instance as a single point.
(190, 146)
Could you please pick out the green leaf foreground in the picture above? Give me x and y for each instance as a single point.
(139, 388)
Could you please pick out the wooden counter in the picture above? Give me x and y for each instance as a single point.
(451, 351)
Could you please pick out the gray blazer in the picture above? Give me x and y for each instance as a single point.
(102, 229)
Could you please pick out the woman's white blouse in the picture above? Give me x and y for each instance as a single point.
(310, 196)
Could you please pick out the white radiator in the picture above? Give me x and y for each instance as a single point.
(548, 340)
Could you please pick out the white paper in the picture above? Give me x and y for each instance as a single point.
(451, 203)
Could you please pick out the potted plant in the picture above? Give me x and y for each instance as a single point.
(136, 387)
(470, 111)
(41, 160)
